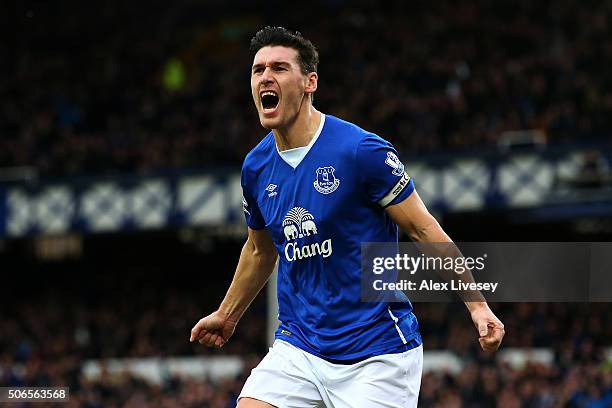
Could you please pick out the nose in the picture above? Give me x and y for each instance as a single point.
(266, 76)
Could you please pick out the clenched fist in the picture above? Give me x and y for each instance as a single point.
(213, 330)
(490, 328)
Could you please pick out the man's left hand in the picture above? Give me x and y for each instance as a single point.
(490, 328)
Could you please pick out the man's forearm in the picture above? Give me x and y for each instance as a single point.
(443, 246)
(253, 270)
(412, 215)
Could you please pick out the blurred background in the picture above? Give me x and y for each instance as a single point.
(123, 127)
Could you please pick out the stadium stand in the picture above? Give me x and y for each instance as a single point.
(122, 97)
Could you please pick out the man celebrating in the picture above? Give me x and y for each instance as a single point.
(315, 188)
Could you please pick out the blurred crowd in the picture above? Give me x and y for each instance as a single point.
(533, 386)
(124, 316)
(137, 87)
(47, 336)
(476, 386)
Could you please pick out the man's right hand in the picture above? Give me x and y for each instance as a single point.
(213, 330)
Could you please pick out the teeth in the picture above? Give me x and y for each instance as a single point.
(265, 93)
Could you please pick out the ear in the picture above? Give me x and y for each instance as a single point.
(311, 82)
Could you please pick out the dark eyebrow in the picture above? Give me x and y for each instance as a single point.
(281, 63)
(274, 64)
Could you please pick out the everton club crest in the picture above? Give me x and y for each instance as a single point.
(325, 181)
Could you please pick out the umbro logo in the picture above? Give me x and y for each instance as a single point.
(271, 190)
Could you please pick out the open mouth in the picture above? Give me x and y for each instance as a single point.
(269, 100)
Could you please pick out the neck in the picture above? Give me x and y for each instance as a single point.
(300, 131)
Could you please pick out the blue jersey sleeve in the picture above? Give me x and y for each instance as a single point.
(253, 216)
(382, 173)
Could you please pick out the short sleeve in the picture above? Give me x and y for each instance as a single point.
(252, 215)
(382, 173)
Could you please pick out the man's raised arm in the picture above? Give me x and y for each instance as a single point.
(255, 266)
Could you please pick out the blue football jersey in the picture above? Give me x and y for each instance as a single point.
(318, 214)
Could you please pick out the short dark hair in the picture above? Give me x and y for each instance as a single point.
(308, 57)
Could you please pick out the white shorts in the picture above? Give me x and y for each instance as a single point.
(289, 377)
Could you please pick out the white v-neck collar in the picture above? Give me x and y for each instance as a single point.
(294, 157)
